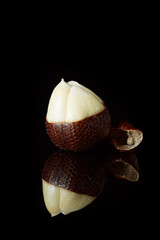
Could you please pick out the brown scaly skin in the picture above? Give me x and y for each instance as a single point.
(77, 172)
(82, 135)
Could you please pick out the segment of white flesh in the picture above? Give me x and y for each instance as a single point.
(81, 104)
(59, 200)
(71, 102)
(74, 83)
(51, 196)
(58, 103)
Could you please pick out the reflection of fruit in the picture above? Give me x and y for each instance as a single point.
(71, 181)
(59, 200)
(124, 136)
(77, 118)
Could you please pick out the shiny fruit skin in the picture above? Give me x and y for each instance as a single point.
(82, 135)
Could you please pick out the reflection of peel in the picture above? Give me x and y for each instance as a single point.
(124, 166)
(121, 169)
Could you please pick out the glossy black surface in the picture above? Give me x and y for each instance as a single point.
(121, 204)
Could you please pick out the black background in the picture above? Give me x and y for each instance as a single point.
(116, 64)
(113, 52)
(121, 84)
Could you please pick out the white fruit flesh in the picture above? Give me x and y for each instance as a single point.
(59, 200)
(71, 102)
